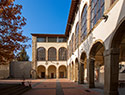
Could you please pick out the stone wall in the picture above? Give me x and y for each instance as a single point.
(4, 71)
(20, 69)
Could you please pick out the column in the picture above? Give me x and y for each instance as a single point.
(47, 74)
(81, 74)
(90, 72)
(111, 62)
(57, 73)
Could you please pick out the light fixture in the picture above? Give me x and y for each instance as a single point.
(105, 17)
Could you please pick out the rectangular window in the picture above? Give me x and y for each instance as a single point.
(52, 39)
(62, 39)
(41, 39)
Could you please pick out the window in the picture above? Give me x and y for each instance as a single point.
(97, 9)
(52, 54)
(62, 54)
(41, 54)
(72, 43)
(62, 39)
(76, 36)
(41, 39)
(84, 23)
(52, 39)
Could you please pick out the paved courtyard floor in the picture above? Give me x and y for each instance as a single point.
(59, 87)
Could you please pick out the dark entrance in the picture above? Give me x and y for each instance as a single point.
(42, 74)
(61, 74)
(52, 75)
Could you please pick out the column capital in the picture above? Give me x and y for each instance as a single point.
(113, 51)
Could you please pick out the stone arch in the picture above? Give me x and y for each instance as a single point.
(114, 58)
(83, 62)
(76, 69)
(96, 61)
(62, 71)
(41, 71)
(52, 71)
(70, 72)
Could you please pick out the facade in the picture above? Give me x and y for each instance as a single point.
(95, 43)
(49, 55)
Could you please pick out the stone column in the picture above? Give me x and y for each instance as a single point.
(34, 56)
(90, 72)
(57, 73)
(47, 74)
(111, 62)
(81, 74)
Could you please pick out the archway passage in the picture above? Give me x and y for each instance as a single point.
(115, 61)
(62, 72)
(76, 70)
(83, 72)
(96, 65)
(41, 71)
(52, 71)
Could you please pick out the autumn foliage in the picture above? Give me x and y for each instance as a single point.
(11, 37)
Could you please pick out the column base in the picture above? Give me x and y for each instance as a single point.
(111, 93)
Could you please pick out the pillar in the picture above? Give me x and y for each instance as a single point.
(111, 62)
(57, 73)
(90, 72)
(81, 74)
(47, 74)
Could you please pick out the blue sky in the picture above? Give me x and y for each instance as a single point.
(44, 16)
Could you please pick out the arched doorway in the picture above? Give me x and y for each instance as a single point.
(73, 71)
(62, 72)
(76, 70)
(96, 62)
(52, 71)
(115, 61)
(70, 72)
(83, 62)
(41, 71)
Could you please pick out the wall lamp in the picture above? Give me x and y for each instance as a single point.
(105, 17)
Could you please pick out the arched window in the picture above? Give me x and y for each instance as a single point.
(76, 35)
(62, 54)
(72, 42)
(97, 9)
(41, 54)
(84, 23)
(52, 54)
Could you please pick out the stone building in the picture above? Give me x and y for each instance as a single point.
(49, 55)
(95, 42)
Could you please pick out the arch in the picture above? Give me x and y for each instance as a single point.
(76, 35)
(52, 71)
(62, 54)
(118, 34)
(41, 71)
(97, 10)
(83, 62)
(96, 62)
(62, 71)
(52, 54)
(115, 58)
(84, 22)
(41, 54)
(76, 69)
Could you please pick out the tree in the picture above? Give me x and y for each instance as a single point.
(22, 56)
(11, 23)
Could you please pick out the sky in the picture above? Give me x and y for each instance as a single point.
(44, 17)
